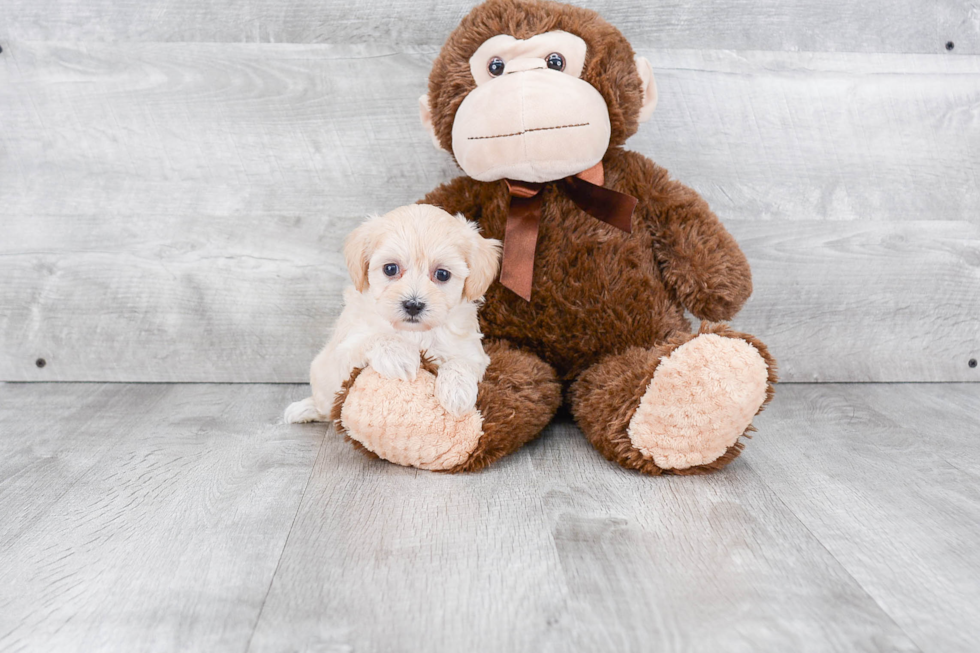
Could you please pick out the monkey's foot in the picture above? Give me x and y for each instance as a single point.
(702, 397)
(404, 423)
(677, 408)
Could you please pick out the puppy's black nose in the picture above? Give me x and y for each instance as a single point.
(413, 306)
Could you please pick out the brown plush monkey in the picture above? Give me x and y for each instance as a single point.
(602, 254)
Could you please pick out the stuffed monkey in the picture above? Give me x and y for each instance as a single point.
(603, 251)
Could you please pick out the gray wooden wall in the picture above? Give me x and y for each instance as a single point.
(176, 176)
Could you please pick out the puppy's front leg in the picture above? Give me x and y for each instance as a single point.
(456, 385)
(394, 357)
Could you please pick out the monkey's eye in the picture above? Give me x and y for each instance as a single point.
(443, 275)
(495, 67)
(555, 61)
(390, 269)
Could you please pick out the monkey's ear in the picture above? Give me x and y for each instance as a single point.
(357, 253)
(425, 113)
(645, 71)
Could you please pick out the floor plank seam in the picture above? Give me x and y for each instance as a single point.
(840, 564)
(285, 544)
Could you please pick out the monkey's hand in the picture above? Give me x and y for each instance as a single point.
(699, 259)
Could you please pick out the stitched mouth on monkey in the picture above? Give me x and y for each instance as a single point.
(526, 131)
(519, 127)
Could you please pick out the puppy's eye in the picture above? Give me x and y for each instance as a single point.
(390, 269)
(443, 275)
(555, 61)
(495, 67)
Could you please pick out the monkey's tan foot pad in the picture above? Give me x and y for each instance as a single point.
(404, 423)
(702, 397)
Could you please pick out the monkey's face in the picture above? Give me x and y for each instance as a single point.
(531, 117)
(535, 91)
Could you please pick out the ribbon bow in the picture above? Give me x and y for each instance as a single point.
(521, 235)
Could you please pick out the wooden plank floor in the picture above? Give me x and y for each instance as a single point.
(161, 517)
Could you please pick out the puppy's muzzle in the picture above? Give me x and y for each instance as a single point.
(413, 306)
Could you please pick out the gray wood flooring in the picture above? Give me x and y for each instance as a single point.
(158, 517)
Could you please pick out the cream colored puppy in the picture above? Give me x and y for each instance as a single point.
(419, 274)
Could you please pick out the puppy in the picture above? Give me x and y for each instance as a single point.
(419, 274)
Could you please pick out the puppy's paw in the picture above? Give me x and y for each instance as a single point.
(303, 411)
(393, 358)
(456, 390)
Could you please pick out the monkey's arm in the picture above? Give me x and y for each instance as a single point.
(698, 258)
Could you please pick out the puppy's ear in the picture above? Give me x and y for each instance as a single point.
(483, 260)
(357, 252)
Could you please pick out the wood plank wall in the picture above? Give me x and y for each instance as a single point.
(176, 177)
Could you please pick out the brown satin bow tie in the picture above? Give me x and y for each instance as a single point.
(521, 236)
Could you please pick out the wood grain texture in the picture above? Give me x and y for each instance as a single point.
(713, 563)
(812, 25)
(556, 550)
(387, 558)
(186, 517)
(865, 301)
(38, 464)
(174, 212)
(886, 478)
(145, 517)
(150, 132)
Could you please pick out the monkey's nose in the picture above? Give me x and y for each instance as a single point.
(413, 306)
